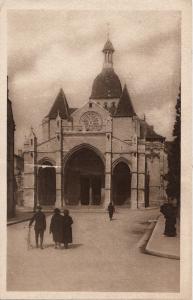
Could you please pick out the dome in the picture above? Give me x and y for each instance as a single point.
(106, 85)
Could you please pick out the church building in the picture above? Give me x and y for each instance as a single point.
(95, 154)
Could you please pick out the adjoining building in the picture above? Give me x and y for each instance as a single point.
(10, 161)
(98, 153)
(18, 173)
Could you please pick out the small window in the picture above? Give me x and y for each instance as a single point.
(31, 142)
(90, 104)
(105, 105)
(113, 104)
(58, 123)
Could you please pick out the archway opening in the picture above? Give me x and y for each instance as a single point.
(47, 184)
(84, 178)
(121, 184)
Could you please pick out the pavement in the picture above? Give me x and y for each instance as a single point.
(153, 242)
(104, 257)
(161, 245)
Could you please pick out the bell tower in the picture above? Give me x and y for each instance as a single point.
(108, 54)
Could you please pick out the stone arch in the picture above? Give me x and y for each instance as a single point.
(46, 182)
(121, 159)
(46, 159)
(83, 146)
(84, 176)
(121, 182)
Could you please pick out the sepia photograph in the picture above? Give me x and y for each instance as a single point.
(94, 151)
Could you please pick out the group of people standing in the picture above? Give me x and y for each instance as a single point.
(60, 227)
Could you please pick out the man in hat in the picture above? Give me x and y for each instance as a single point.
(40, 225)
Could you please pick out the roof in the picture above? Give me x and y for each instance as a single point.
(72, 109)
(148, 132)
(106, 85)
(60, 106)
(125, 106)
(108, 46)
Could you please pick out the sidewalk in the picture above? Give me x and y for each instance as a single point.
(161, 245)
(20, 216)
(23, 214)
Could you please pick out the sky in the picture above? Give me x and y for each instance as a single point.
(49, 50)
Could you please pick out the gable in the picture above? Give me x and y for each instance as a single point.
(91, 116)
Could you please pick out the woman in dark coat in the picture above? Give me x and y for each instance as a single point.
(170, 213)
(67, 229)
(56, 227)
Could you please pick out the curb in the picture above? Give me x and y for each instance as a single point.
(146, 236)
(21, 220)
(17, 221)
(162, 254)
(151, 251)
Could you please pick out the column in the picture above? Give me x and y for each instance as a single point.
(108, 162)
(30, 171)
(59, 158)
(141, 174)
(107, 179)
(134, 181)
(58, 202)
(90, 193)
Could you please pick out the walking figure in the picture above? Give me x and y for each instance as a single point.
(40, 225)
(111, 210)
(170, 213)
(56, 227)
(67, 229)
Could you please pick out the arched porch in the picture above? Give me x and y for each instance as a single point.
(46, 184)
(84, 177)
(121, 183)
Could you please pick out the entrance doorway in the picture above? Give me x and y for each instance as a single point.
(84, 178)
(84, 190)
(121, 184)
(90, 190)
(47, 184)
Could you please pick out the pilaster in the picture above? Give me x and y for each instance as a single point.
(59, 168)
(30, 171)
(134, 179)
(141, 174)
(108, 163)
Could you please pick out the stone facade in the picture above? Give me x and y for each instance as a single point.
(95, 154)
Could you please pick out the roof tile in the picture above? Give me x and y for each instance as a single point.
(60, 106)
(125, 106)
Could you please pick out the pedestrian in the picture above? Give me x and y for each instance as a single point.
(40, 226)
(67, 229)
(170, 214)
(56, 227)
(111, 210)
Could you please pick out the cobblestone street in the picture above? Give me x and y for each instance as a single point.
(104, 257)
